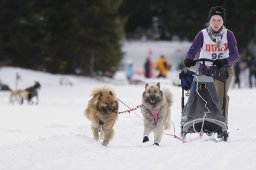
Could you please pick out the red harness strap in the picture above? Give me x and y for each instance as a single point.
(155, 114)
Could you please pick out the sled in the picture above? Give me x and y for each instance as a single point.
(202, 112)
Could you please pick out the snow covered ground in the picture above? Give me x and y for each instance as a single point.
(55, 134)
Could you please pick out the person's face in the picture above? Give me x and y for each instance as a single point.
(216, 22)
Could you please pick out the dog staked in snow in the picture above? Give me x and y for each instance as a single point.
(28, 94)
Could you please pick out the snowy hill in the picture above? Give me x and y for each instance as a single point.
(56, 135)
(137, 52)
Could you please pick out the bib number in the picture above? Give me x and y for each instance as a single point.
(217, 56)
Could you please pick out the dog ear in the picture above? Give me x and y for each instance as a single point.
(100, 94)
(146, 85)
(111, 93)
(158, 85)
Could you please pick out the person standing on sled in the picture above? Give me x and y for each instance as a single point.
(219, 44)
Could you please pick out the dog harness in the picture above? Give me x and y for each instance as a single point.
(155, 114)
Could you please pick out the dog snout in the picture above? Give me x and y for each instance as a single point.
(152, 97)
(109, 109)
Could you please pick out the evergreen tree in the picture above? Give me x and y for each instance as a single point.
(22, 36)
(62, 36)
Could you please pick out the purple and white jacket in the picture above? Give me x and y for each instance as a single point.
(202, 44)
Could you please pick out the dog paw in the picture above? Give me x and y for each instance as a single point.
(145, 139)
(156, 144)
(105, 142)
(96, 138)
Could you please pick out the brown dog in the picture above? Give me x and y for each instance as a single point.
(102, 111)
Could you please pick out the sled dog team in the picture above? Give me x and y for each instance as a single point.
(102, 111)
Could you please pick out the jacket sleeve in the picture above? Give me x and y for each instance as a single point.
(196, 46)
(233, 50)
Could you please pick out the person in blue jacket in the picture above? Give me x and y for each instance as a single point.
(129, 70)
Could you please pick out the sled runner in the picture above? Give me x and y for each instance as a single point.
(202, 112)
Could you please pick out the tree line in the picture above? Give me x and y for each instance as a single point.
(85, 36)
(61, 36)
(163, 18)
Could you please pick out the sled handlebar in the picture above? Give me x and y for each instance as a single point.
(204, 60)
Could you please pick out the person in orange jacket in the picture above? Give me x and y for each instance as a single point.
(162, 66)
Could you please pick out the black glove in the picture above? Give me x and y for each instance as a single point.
(182, 74)
(220, 63)
(189, 62)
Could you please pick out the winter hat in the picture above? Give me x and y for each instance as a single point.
(218, 10)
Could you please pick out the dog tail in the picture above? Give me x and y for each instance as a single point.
(168, 96)
(169, 100)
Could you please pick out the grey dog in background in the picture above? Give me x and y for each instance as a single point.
(156, 111)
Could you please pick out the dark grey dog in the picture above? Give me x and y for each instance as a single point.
(32, 93)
